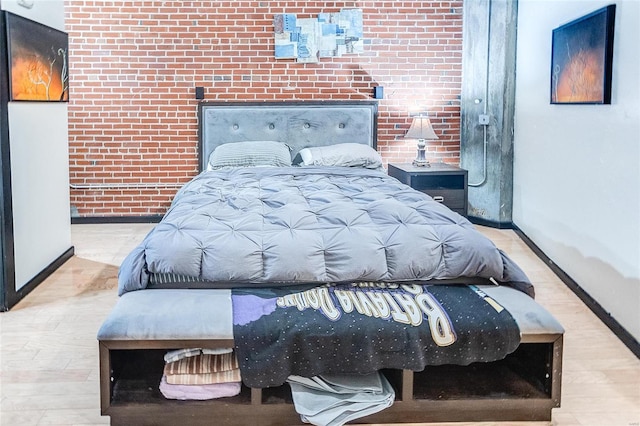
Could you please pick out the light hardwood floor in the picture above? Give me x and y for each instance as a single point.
(49, 352)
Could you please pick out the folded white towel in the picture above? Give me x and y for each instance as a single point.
(179, 354)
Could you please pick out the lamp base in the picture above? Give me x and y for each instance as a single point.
(421, 159)
(421, 163)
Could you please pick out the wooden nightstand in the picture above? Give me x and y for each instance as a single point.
(444, 183)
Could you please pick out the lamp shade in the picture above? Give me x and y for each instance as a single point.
(421, 129)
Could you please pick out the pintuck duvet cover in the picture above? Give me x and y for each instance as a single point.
(288, 226)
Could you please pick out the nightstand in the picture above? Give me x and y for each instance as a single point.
(444, 183)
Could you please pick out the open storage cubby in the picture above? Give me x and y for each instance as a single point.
(519, 375)
(523, 386)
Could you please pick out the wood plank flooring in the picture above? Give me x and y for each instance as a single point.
(49, 352)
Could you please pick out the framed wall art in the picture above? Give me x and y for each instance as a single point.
(581, 59)
(307, 40)
(38, 61)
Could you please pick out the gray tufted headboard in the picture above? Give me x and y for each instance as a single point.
(298, 124)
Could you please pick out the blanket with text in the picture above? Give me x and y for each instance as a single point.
(364, 327)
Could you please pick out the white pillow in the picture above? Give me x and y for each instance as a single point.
(250, 154)
(342, 154)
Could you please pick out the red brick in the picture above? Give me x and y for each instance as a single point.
(133, 66)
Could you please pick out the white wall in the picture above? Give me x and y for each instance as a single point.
(39, 186)
(576, 167)
(48, 12)
(38, 138)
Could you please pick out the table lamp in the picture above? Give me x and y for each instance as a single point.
(422, 130)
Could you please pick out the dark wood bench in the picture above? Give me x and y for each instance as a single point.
(144, 325)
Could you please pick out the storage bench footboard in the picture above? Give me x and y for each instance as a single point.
(525, 386)
(144, 325)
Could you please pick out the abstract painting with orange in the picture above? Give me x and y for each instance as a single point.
(581, 59)
(38, 61)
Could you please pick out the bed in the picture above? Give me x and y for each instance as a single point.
(294, 249)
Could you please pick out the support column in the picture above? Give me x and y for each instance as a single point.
(488, 90)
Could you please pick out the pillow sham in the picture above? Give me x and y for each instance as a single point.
(250, 154)
(342, 154)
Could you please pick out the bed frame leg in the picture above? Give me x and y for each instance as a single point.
(256, 396)
(407, 385)
(105, 377)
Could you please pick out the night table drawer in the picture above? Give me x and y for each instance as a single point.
(445, 183)
(454, 199)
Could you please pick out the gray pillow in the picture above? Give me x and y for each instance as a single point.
(343, 154)
(250, 154)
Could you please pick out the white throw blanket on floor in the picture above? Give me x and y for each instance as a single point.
(333, 400)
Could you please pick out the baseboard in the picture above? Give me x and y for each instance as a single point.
(115, 219)
(617, 329)
(490, 223)
(14, 297)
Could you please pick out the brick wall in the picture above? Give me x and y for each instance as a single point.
(134, 66)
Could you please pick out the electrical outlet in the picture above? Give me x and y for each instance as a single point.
(483, 119)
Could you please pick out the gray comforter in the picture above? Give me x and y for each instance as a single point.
(293, 225)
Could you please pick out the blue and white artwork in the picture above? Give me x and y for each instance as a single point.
(332, 34)
(286, 36)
